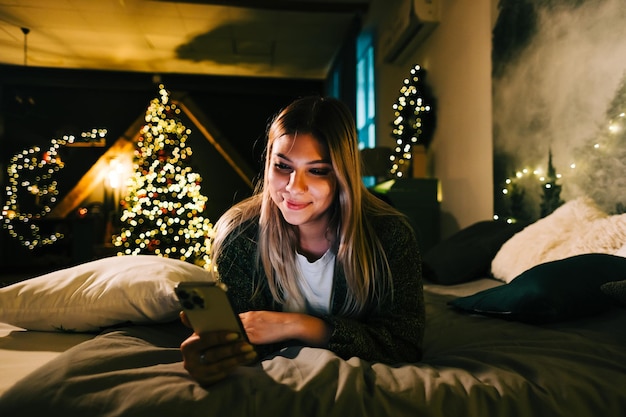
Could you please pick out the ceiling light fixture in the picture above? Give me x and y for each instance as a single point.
(25, 31)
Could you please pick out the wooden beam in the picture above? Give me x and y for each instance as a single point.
(94, 177)
(223, 146)
(126, 144)
(304, 6)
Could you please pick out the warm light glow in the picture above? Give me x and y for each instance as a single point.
(115, 173)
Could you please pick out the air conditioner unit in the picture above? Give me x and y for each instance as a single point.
(406, 26)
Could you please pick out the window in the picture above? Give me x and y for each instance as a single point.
(334, 81)
(365, 99)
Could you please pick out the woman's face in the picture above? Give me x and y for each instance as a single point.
(301, 180)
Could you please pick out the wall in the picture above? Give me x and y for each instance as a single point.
(457, 58)
(559, 89)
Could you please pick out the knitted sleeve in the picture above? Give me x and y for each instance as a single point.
(238, 269)
(394, 332)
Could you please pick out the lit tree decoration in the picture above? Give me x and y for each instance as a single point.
(163, 208)
(595, 172)
(551, 197)
(515, 191)
(598, 169)
(414, 120)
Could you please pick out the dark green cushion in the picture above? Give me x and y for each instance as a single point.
(467, 254)
(553, 291)
(616, 290)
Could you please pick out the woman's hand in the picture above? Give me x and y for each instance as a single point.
(263, 327)
(210, 357)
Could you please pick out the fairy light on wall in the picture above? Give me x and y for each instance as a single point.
(163, 208)
(597, 169)
(32, 192)
(609, 142)
(585, 167)
(92, 138)
(516, 186)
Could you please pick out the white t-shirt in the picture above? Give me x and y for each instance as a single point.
(316, 283)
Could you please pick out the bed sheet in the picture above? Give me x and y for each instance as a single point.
(472, 366)
(21, 351)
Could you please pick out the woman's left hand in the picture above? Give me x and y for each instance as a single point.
(264, 327)
(210, 357)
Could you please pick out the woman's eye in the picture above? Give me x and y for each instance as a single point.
(282, 167)
(322, 172)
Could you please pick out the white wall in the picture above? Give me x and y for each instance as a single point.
(457, 58)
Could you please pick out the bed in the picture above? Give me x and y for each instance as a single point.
(550, 341)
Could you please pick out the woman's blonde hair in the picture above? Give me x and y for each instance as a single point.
(359, 251)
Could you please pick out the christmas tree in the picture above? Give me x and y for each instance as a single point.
(551, 198)
(162, 212)
(520, 205)
(599, 166)
(414, 120)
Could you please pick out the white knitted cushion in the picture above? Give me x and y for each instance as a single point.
(577, 227)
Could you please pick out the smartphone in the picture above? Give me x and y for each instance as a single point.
(207, 307)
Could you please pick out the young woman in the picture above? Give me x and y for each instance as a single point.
(313, 258)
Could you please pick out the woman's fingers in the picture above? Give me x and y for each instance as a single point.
(211, 367)
(210, 357)
(184, 319)
(233, 353)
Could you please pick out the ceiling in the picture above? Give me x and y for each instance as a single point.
(253, 38)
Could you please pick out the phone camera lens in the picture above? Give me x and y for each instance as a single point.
(198, 301)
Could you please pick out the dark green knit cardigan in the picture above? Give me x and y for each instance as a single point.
(391, 332)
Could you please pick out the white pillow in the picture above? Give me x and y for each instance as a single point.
(98, 294)
(578, 226)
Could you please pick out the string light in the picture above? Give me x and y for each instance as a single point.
(412, 115)
(164, 205)
(595, 169)
(535, 176)
(32, 192)
(514, 184)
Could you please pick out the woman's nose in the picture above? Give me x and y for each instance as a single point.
(297, 183)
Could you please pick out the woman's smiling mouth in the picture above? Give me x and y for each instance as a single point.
(292, 205)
